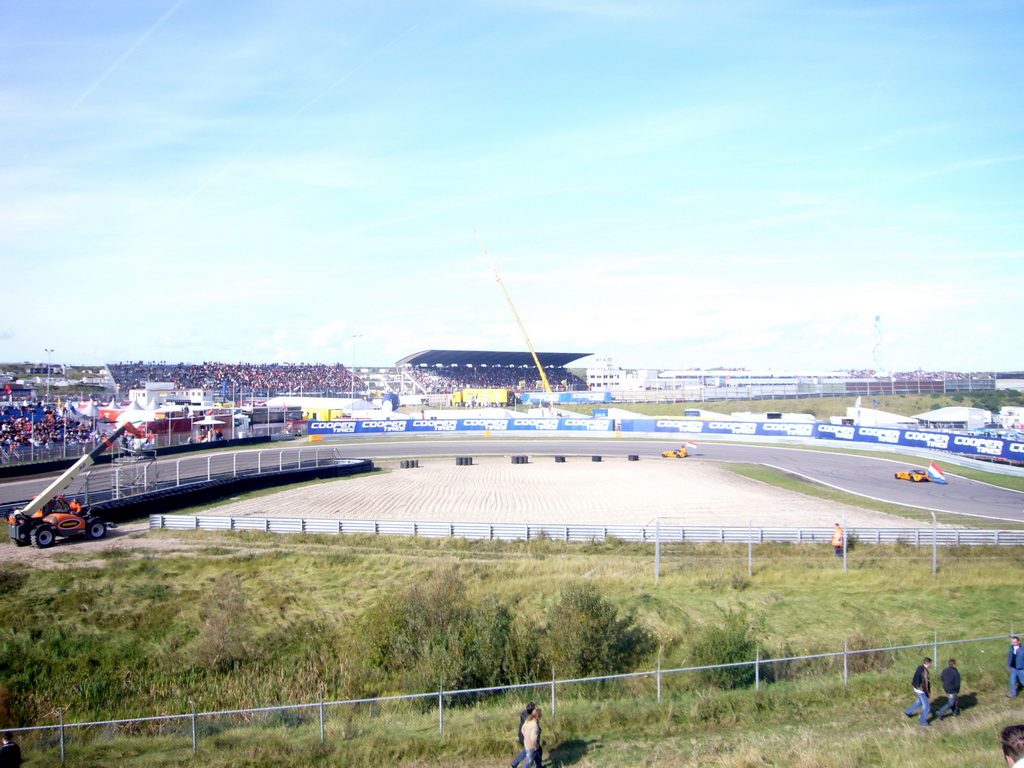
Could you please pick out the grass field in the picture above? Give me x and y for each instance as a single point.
(823, 408)
(215, 621)
(249, 620)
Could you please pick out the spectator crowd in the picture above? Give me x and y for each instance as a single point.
(40, 427)
(256, 378)
(445, 379)
(329, 380)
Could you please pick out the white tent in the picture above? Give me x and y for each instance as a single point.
(91, 410)
(871, 417)
(956, 417)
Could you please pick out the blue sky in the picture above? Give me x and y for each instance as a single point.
(673, 184)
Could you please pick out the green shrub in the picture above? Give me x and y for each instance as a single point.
(729, 641)
(225, 637)
(429, 634)
(11, 580)
(585, 637)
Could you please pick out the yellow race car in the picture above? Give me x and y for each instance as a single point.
(914, 475)
(679, 454)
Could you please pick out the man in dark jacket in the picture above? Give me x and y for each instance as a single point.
(1015, 663)
(923, 690)
(10, 753)
(951, 685)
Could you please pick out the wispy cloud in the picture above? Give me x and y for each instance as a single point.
(121, 59)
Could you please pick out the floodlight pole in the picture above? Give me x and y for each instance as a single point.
(353, 372)
(49, 352)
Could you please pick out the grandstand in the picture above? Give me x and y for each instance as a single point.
(436, 371)
(428, 372)
(243, 381)
(439, 372)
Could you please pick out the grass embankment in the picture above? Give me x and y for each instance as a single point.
(248, 620)
(822, 408)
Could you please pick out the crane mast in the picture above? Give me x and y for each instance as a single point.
(522, 328)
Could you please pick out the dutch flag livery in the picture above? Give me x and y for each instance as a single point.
(935, 474)
(690, 446)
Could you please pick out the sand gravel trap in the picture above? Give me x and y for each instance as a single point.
(613, 491)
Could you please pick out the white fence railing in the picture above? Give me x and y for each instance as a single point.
(665, 534)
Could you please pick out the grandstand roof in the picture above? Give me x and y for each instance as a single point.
(453, 357)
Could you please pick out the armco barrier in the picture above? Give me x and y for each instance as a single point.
(945, 537)
(57, 465)
(176, 497)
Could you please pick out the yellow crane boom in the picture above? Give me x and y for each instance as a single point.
(536, 360)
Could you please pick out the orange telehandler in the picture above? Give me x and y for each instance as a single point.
(50, 515)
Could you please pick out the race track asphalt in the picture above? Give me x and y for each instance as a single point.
(868, 476)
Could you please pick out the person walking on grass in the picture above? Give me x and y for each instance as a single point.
(1015, 663)
(923, 690)
(1012, 738)
(531, 739)
(951, 685)
(10, 752)
(519, 734)
(837, 540)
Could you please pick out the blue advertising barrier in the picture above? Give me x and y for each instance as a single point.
(567, 397)
(426, 426)
(968, 445)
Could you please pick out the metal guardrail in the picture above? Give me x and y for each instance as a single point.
(946, 537)
(190, 469)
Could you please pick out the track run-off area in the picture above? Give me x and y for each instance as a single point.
(866, 476)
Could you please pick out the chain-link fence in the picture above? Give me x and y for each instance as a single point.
(724, 553)
(444, 722)
(927, 543)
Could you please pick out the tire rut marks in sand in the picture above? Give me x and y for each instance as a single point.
(609, 492)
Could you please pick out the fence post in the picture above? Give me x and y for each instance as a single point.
(657, 549)
(846, 538)
(935, 649)
(60, 713)
(846, 661)
(208, 460)
(552, 693)
(440, 707)
(750, 547)
(323, 738)
(757, 669)
(659, 673)
(195, 745)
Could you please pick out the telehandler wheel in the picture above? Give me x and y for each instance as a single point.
(43, 536)
(96, 530)
(20, 543)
